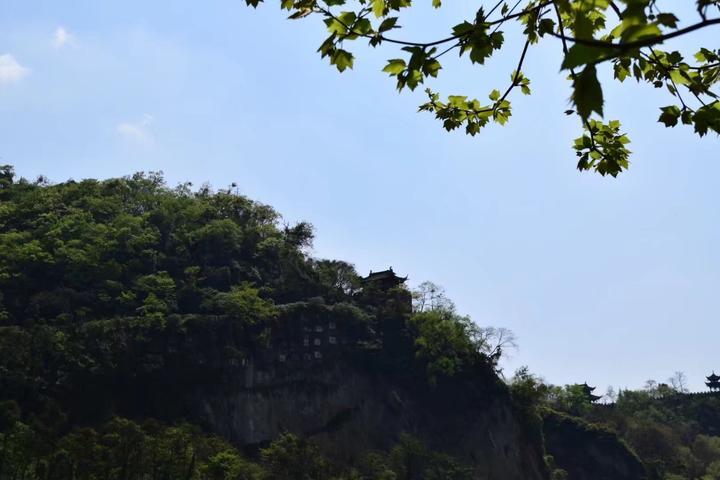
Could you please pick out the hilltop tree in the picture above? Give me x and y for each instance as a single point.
(626, 34)
(450, 342)
(429, 296)
(7, 173)
(679, 382)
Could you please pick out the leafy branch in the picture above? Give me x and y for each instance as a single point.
(587, 37)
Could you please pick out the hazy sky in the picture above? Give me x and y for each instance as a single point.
(612, 281)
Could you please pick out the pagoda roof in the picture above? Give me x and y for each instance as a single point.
(712, 377)
(384, 274)
(587, 387)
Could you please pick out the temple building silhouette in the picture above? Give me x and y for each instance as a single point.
(588, 391)
(713, 382)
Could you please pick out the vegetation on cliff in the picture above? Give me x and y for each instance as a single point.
(675, 435)
(116, 296)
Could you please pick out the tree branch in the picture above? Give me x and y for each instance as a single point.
(517, 72)
(646, 42)
(574, 76)
(434, 43)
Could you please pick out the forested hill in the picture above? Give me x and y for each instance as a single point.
(103, 281)
(156, 332)
(78, 251)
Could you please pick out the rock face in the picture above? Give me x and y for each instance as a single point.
(587, 452)
(330, 379)
(338, 383)
(354, 411)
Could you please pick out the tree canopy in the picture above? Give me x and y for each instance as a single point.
(118, 297)
(626, 34)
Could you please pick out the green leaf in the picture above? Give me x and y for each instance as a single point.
(347, 18)
(395, 66)
(431, 67)
(388, 24)
(707, 118)
(667, 19)
(587, 94)
(328, 46)
(362, 26)
(670, 115)
(464, 28)
(547, 25)
(413, 79)
(639, 32)
(342, 59)
(334, 26)
(457, 101)
(378, 8)
(679, 77)
(580, 54)
(622, 69)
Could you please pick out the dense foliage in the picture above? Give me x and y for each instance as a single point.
(675, 434)
(126, 450)
(626, 34)
(94, 275)
(117, 296)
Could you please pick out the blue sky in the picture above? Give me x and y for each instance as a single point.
(612, 281)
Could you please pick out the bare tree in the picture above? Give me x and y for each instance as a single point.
(679, 382)
(493, 342)
(429, 296)
(611, 395)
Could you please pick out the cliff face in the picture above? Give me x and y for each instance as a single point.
(337, 382)
(587, 452)
(352, 411)
(322, 376)
(126, 298)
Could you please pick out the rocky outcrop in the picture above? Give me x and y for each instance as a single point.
(325, 377)
(353, 411)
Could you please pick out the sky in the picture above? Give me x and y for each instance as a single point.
(609, 281)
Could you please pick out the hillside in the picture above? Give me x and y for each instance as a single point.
(155, 332)
(149, 332)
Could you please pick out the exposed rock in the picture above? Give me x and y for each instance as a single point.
(352, 411)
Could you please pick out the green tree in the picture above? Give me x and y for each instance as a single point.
(338, 280)
(572, 399)
(229, 465)
(244, 303)
(411, 459)
(430, 296)
(292, 458)
(625, 34)
(528, 390)
(449, 342)
(7, 174)
(443, 342)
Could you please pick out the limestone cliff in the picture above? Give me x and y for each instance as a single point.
(328, 374)
(352, 411)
